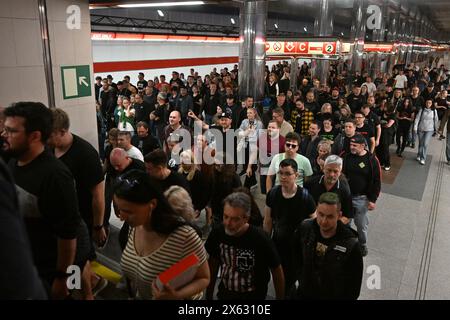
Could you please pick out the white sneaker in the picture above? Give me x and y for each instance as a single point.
(418, 158)
(422, 162)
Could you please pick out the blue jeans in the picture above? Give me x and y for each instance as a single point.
(424, 140)
(412, 135)
(360, 205)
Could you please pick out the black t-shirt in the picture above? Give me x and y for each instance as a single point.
(200, 190)
(355, 102)
(418, 103)
(385, 118)
(141, 85)
(245, 261)
(221, 145)
(287, 214)
(367, 131)
(442, 102)
(143, 112)
(83, 162)
(135, 164)
(331, 135)
(146, 144)
(175, 179)
(48, 203)
(373, 120)
(358, 172)
(405, 112)
(316, 188)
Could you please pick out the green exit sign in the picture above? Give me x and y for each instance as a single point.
(76, 81)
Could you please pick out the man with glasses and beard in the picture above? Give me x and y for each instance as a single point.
(47, 196)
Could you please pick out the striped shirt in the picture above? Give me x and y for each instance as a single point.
(142, 271)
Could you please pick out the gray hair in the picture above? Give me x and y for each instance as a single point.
(181, 202)
(239, 200)
(333, 159)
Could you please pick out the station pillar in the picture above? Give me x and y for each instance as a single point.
(357, 34)
(378, 35)
(323, 27)
(252, 50)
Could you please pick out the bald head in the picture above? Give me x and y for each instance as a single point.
(119, 159)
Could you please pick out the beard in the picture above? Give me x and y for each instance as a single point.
(14, 153)
(330, 180)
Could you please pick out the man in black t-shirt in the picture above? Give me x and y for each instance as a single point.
(156, 166)
(362, 170)
(144, 141)
(355, 99)
(287, 205)
(365, 129)
(372, 119)
(84, 163)
(142, 109)
(244, 253)
(47, 195)
(141, 84)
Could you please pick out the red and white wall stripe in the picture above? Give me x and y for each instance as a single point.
(128, 54)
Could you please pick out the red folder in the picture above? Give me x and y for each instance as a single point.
(180, 274)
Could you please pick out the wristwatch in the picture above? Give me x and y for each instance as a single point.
(99, 227)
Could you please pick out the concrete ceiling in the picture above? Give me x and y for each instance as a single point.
(436, 11)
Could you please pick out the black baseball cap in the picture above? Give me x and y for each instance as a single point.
(226, 114)
(358, 138)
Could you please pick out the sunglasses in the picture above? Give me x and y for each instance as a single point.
(290, 145)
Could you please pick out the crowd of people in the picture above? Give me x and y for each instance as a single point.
(172, 152)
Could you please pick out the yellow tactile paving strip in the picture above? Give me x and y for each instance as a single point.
(105, 272)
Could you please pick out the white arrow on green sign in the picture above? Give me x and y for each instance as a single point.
(76, 81)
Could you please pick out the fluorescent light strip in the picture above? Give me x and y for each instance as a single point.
(161, 4)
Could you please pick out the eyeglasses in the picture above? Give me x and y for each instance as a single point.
(7, 131)
(285, 174)
(291, 145)
(126, 183)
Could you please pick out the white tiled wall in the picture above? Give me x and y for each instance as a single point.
(149, 50)
(21, 63)
(7, 38)
(68, 48)
(28, 42)
(22, 66)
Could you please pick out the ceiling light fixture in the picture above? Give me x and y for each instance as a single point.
(232, 21)
(304, 28)
(160, 13)
(276, 26)
(342, 34)
(161, 4)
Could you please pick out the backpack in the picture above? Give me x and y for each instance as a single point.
(434, 119)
